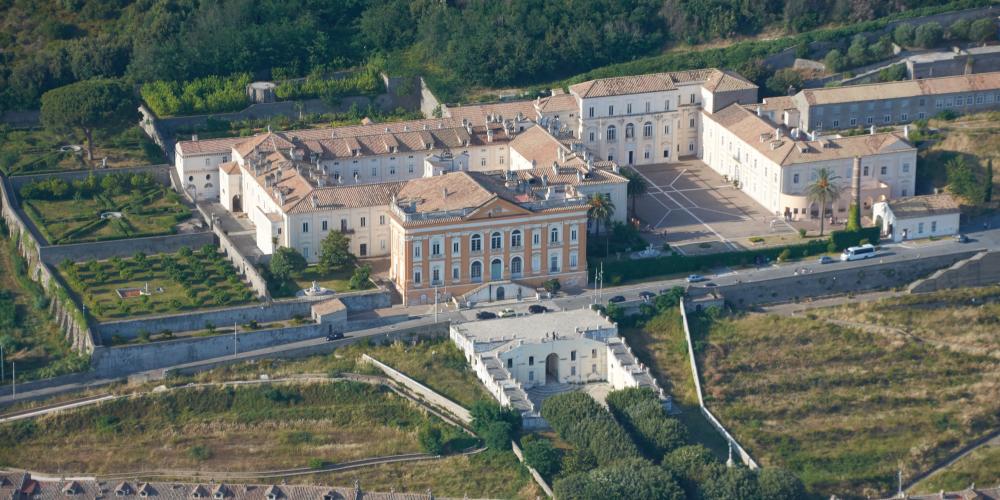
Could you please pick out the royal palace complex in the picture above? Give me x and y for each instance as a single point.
(491, 200)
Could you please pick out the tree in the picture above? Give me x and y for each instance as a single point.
(903, 35)
(8, 310)
(783, 81)
(928, 35)
(779, 484)
(497, 435)
(834, 61)
(540, 454)
(824, 190)
(429, 438)
(959, 30)
(360, 278)
(857, 53)
(286, 262)
(335, 252)
(983, 30)
(88, 105)
(601, 209)
(733, 482)
(636, 187)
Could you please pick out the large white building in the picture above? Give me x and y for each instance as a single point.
(917, 217)
(514, 357)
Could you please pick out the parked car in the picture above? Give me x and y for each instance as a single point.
(616, 299)
(335, 336)
(485, 315)
(960, 238)
(537, 309)
(507, 313)
(696, 278)
(711, 284)
(825, 259)
(647, 295)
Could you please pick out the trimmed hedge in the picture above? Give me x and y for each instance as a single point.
(585, 424)
(843, 238)
(640, 411)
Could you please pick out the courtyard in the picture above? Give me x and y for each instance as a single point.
(695, 210)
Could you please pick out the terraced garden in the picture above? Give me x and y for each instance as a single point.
(844, 408)
(115, 206)
(38, 151)
(156, 284)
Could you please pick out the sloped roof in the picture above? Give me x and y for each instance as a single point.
(651, 82)
(924, 206)
(903, 89)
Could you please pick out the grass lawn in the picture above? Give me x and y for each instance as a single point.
(436, 363)
(843, 408)
(202, 279)
(661, 346)
(337, 281)
(37, 151)
(29, 336)
(259, 427)
(981, 467)
(153, 211)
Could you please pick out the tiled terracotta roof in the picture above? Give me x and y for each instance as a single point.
(558, 103)
(443, 193)
(727, 81)
(477, 114)
(640, 84)
(924, 206)
(908, 88)
(208, 146)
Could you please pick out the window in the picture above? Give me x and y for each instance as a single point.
(933, 226)
(864, 171)
(921, 115)
(592, 136)
(968, 100)
(510, 362)
(906, 167)
(410, 168)
(645, 154)
(666, 105)
(887, 118)
(454, 246)
(593, 368)
(554, 235)
(208, 177)
(628, 109)
(920, 228)
(515, 238)
(324, 225)
(515, 266)
(572, 235)
(476, 243)
(536, 238)
(612, 135)
(922, 102)
(553, 263)
(536, 263)
(573, 260)
(593, 353)
(436, 248)
(629, 131)
(590, 112)
(454, 273)
(690, 146)
(436, 275)
(191, 178)
(611, 110)
(647, 129)
(381, 220)
(496, 241)
(476, 271)
(572, 370)
(691, 99)
(647, 106)
(854, 121)
(666, 153)
(883, 170)
(208, 161)
(531, 361)
(374, 171)
(305, 227)
(869, 120)
(416, 276)
(364, 221)
(482, 162)
(795, 178)
(572, 355)
(691, 123)
(836, 123)
(979, 99)
(903, 193)
(392, 170)
(417, 246)
(666, 130)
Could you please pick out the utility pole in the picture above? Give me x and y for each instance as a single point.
(435, 303)
(2, 374)
(13, 381)
(235, 346)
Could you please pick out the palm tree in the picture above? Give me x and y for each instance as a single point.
(636, 186)
(824, 190)
(601, 209)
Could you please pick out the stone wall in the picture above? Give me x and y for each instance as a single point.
(160, 172)
(99, 250)
(196, 320)
(982, 269)
(244, 266)
(426, 393)
(64, 311)
(833, 281)
(123, 360)
(366, 300)
(429, 102)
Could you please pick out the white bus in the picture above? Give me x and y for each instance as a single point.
(857, 253)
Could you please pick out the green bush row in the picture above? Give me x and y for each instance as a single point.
(582, 422)
(210, 94)
(641, 412)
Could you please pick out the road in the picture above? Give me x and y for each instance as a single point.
(980, 238)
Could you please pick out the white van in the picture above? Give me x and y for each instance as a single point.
(857, 253)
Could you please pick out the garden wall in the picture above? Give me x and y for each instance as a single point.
(244, 266)
(160, 172)
(100, 250)
(64, 311)
(982, 269)
(832, 281)
(120, 361)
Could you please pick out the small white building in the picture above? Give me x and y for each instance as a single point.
(521, 360)
(917, 217)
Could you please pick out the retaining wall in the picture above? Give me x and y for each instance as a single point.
(119, 361)
(833, 281)
(428, 102)
(425, 392)
(160, 172)
(982, 269)
(78, 252)
(244, 266)
(64, 311)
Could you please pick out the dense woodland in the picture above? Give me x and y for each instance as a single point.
(49, 43)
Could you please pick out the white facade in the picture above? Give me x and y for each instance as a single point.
(199, 174)
(912, 226)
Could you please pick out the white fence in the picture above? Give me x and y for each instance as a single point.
(744, 455)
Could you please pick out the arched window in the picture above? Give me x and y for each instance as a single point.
(476, 272)
(515, 238)
(647, 129)
(515, 266)
(629, 131)
(612, 133)
(554, 235)
(496, 241)
(476, 243)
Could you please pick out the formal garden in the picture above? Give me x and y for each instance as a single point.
(29, 336)
(39, 151)
(109, 207)
(288, 274)
(843, 405)
(156, 284)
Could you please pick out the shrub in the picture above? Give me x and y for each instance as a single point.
(641, 413)
(842, 239)
(211, 94)
(928, 35)
(983, 30)
(581, 421)
(360, 278)
(200, 453)
(552, 286)
(542, 456)
(316, 463)
(497, 435)
(633, 478)
(430, 440)
(802, 232)
(779, 484)
(903, 34)
(785, 255)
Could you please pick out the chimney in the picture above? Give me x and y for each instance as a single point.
(760, 111)
(194, 137)
(777, 132)
(795, 133)
(315, 201)
(555, 168)
(489, 135)
(444, 192)
(906, 131)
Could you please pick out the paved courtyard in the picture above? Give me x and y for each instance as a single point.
(688, 205)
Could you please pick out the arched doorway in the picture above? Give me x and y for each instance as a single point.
(237, 203)
(552, 369)
(500, 293)
(496, 270)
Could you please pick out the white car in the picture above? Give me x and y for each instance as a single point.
(507, 313)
